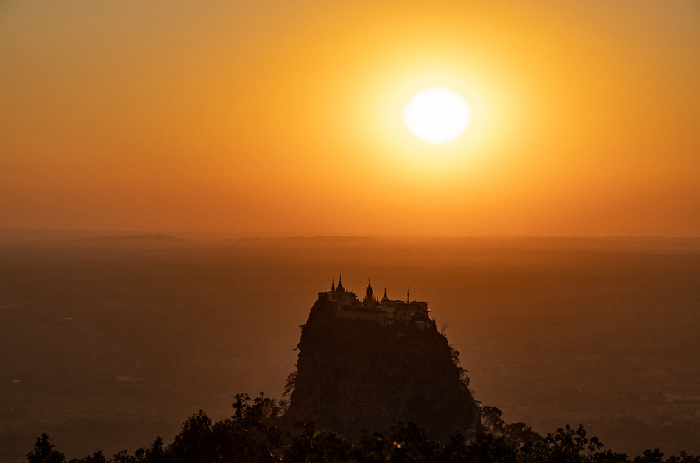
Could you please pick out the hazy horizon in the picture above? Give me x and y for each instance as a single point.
(295, 234)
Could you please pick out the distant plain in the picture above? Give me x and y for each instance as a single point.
(106, 344)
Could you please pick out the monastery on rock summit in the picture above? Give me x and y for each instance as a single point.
(384, 311)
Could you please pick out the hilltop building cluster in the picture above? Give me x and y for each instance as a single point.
(385, 311)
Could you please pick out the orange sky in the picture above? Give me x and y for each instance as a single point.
(285, 117)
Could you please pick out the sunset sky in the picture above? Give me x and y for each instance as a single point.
(286, 117)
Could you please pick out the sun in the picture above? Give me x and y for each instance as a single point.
(437, 115)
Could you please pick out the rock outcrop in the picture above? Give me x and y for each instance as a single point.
(354, 374)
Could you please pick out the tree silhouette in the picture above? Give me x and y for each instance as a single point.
(44, 453)
(195, 443)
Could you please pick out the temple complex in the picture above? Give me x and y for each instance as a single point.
(385, 311)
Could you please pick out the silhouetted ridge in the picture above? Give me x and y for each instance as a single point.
(127, 240)
(310, 240)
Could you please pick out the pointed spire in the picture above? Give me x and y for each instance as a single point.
(369, 295)
(340, 283)
(385, 296)
(408, 295)
(333, 285)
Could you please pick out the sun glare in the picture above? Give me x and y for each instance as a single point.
(437, 115)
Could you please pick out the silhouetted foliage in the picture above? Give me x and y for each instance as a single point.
(492, 420)
(683, 458)
(463, 373)
(650, 456)
(291, 382)
(251, 435)
(44, 453)
(568, 445)
(195, 443)
(313, 445)
(96, 457)
(488, 447)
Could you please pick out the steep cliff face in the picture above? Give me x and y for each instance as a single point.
(355, 374)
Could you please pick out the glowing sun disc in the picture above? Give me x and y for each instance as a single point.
(437, 115)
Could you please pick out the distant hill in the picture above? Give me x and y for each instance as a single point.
(35, 235)
(311, 240)
(129, 240)
(570, 243)
(642, 244)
